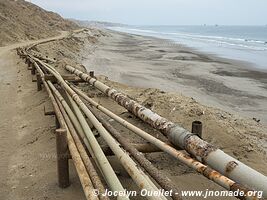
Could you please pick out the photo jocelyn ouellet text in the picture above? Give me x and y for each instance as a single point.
(193, 193)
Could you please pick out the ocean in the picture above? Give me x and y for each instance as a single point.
(244, 43)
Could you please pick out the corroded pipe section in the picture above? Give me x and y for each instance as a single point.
(181, 156)
(84, 155)
(160, 178)
(84, 178)
(182, 138)
(143, 148)
(81, 170)
(139, 177)
(94, 148)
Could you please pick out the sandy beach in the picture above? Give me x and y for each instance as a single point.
(142, 61)
(166, 86)
(179, 84)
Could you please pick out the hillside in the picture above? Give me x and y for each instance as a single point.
(21, 20)
(98, 24)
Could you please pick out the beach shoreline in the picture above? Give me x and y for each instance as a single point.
(178, 83)
(242, 64)
(230, 42)
(244, 139)
(146, 61)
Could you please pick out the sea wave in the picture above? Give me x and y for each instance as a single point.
(241, 43)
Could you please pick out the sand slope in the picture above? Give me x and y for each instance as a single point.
(244, 139)
(21, 20)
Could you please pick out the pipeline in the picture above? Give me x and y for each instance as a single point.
(40, 56)
(143, 148)
(140, 178)
(94, 148)
(233, 186)
(81, 170)
(89, 139)
(200, 149)
(182, 157)
(88, 164)
(160, 178)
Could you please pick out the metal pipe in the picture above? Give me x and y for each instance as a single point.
(160, 178)
(202, 150)
(197, 128)
(38, 55)
(87, 162)
(101, 159)
(84, 178)
(81, 170)
(179, 155)
(106, 168)
(137, 174)
(85, 126)
(143, 148)
(92, 73)
(94, 147)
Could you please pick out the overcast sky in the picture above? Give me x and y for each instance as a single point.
(163, 12)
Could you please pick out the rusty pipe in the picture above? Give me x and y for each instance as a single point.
(94, 147)
(143, 148)
(87, 162)
(114, 182)
(159, 177)
(100, 161)
(202, 150)
(84, 178)
(182, 157)
(139, 177)
(89, 138)
(81, 170)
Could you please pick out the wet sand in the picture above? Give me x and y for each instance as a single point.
(142, 61)
(30, 163)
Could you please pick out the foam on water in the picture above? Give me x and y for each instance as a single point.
(246, 43)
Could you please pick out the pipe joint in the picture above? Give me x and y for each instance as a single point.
(177, 136)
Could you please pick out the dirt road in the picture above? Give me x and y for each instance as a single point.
(27, 142)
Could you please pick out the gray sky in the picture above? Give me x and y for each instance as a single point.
(163, 12)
